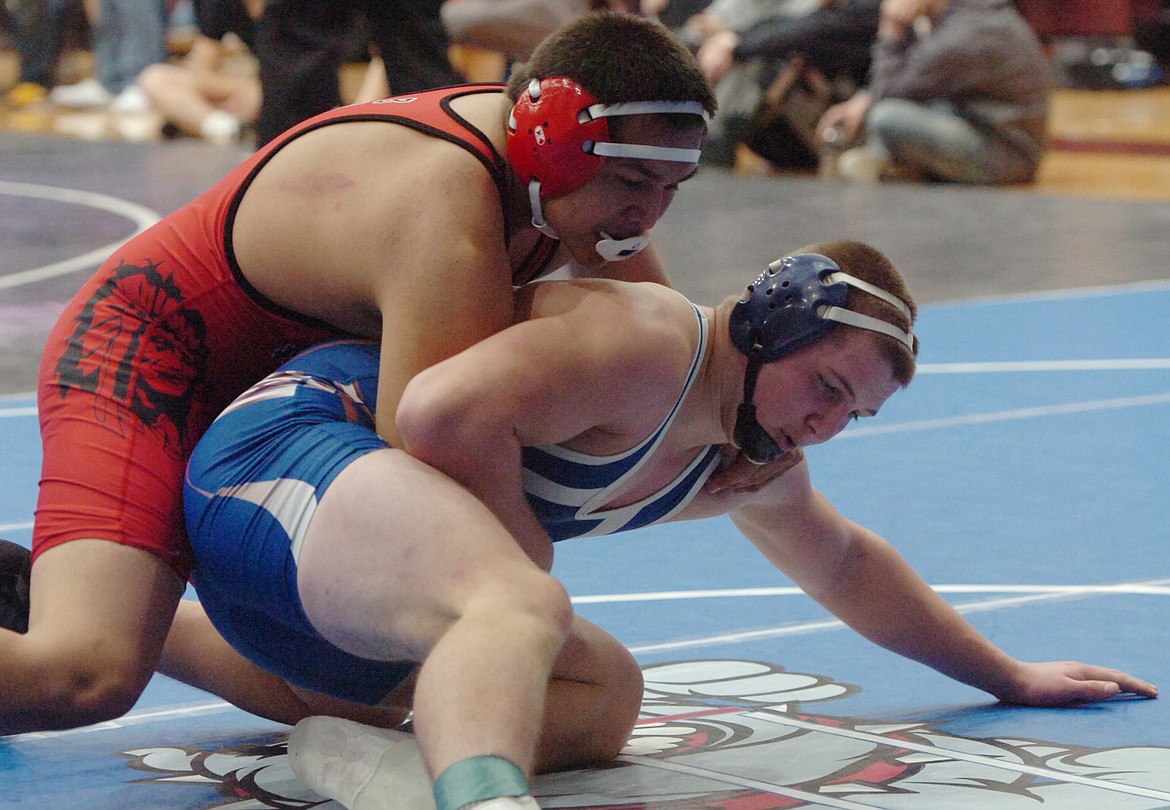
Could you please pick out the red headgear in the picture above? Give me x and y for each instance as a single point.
(558, 135)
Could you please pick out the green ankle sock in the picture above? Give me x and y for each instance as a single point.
(477, 779)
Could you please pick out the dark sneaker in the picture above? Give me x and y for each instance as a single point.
(15, 571)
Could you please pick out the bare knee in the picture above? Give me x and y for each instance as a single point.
(65, 686)
(594, 700)
(99, 682)
(621, 705)
(156, 78)
(534, 602)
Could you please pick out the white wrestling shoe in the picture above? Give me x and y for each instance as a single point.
(361, 767)
(505, 803)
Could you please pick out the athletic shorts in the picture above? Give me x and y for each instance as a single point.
(252, 484)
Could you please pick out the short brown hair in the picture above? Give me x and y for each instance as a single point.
(618, 57)
(868, 264)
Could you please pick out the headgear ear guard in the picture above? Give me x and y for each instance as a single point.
(558, 138)
(793, 304)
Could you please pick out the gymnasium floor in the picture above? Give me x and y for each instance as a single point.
(1022, 474)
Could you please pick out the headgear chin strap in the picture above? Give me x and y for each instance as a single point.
(793, 304)
(558, 138)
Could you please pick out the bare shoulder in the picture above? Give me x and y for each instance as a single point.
(645, 317)
(346, 215)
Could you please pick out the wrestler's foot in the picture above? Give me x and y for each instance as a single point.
(15, 571)
(360, 767)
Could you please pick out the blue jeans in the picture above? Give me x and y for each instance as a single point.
(128, 36)
(930, 138)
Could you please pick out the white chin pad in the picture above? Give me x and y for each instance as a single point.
(614, 250)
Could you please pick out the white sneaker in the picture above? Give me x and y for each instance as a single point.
(220, 128)
(85, 95)
(130, 100)
(360, 767)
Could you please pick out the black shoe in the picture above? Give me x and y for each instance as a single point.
(15, 571)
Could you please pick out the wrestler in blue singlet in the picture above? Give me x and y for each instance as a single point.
(259, 471)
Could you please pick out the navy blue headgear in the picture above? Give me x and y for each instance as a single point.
(777, 313)
(794, 303)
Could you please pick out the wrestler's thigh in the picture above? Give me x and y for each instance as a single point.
(103, 606)
(395, 551)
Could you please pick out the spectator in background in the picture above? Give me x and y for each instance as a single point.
(38, 31)
(199, 97)
(831, 39)
(127, 36)
(958, 92)
(301, 45)
(513, 28)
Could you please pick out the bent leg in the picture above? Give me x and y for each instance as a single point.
(593, 701)
(399, 562)
(933, 140)
(199, 656)
(590, 708)
(98, 619)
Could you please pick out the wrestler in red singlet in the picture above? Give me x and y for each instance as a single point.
(167, 333)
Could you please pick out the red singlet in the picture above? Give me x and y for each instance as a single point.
(166, 334)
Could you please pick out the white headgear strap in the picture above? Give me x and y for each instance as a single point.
(611, 249)
(643, 151)
(852, 318)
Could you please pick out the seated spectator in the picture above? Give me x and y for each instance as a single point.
(200, 97)
(301, 46)
(958, 92)
(127, 36)
(776, 75)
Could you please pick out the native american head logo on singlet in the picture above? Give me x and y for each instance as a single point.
(140, 351)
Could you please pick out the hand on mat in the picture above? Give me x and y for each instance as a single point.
(1060, 683)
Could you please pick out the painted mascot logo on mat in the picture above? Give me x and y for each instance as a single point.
(737, 735)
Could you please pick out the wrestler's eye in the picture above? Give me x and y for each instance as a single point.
(830, 391)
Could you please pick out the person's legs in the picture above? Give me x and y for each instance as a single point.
(412, 43)
(738, 94)
(39, 35)
(399, 562)
(591, 705)
(99, 617)
(128, 36)
(931, 139)
(836, 38)
(198, 655)
(299, 47)
(172, 91)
